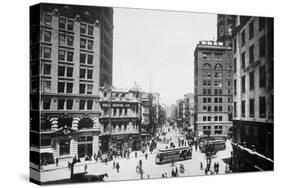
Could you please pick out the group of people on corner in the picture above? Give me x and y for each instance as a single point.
(208, 169)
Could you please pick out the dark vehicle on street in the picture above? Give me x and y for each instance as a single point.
(172, 155)
(214, 145)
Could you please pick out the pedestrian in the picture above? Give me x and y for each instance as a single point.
(113, 164)
(137, 168)
(201, 165)
(85, 168)
(146, 156)
(117, 167)
(57, 161)
(173, 173)
(206, 171)
(176, 172)
(218, 167)
(140, 163)
(136, 154)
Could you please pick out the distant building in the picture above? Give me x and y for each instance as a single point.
(120, 119)
(65, 61)
(213, 88)
(253, 94)
(190, 98)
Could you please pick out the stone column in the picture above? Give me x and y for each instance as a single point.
(54, 122)
(75, 123)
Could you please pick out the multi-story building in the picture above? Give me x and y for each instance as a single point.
(213, 88)
(253, 94)
(120, 119)
(145, 120)
(182, 112)
(190, 110)
(65, 73)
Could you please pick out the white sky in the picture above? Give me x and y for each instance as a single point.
(158, 46)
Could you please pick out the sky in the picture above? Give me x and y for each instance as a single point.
(155, 49)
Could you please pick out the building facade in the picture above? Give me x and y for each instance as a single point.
(190, 112)
(213, 88)
(253, 94)
(120, 120)
(65, 72)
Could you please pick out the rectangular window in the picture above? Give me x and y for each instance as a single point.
(90, 30)
(62, 23)
(47, 36)
(262, 76)
(216, 118)
(243, 110)
(90, 44)
(69, 40)
(46, 103)
(46, 69)
(89, 89)
(209, 118)
(229, 100)
(262, 107)
(252, 80)
(62, 39)
(83, 28)
(220, 108)
(243, 60)
(204, 100)
(220, 100)
(61, 86)
(243, 88)
(82, 58)
(262, 47)
(204, 107)
(90, 59)
(61, 104)
(83, 43)
(69, 87)
(204, 118)
(69, 104)
(89, 105)
(64, 147)
(251, 54)
(216, 91)
(46, 85)
(243, 38)
(252, 107)
(82, 104)
(61, 71)
(82, 73)
(209, 108)
(48, 19)
(62, 55)
(204, 91)
(82, 88)
(209, 92)
(251, 30)
(90, 74)
(69, 71)
(220, 118)
(209, 100)
(69, 56)
(70, 25)
(216, 100)
(220, 91)
(216, 108)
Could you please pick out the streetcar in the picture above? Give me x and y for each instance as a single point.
(164, 156)
(214, 145)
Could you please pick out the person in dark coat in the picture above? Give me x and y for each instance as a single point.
(146, 156)
(117, 166)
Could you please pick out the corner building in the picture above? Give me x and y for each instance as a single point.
(253, 94)
(65, 66)
(213, 88)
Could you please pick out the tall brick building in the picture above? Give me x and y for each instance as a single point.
(253, 94)
(213, 88)
(65, 77)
